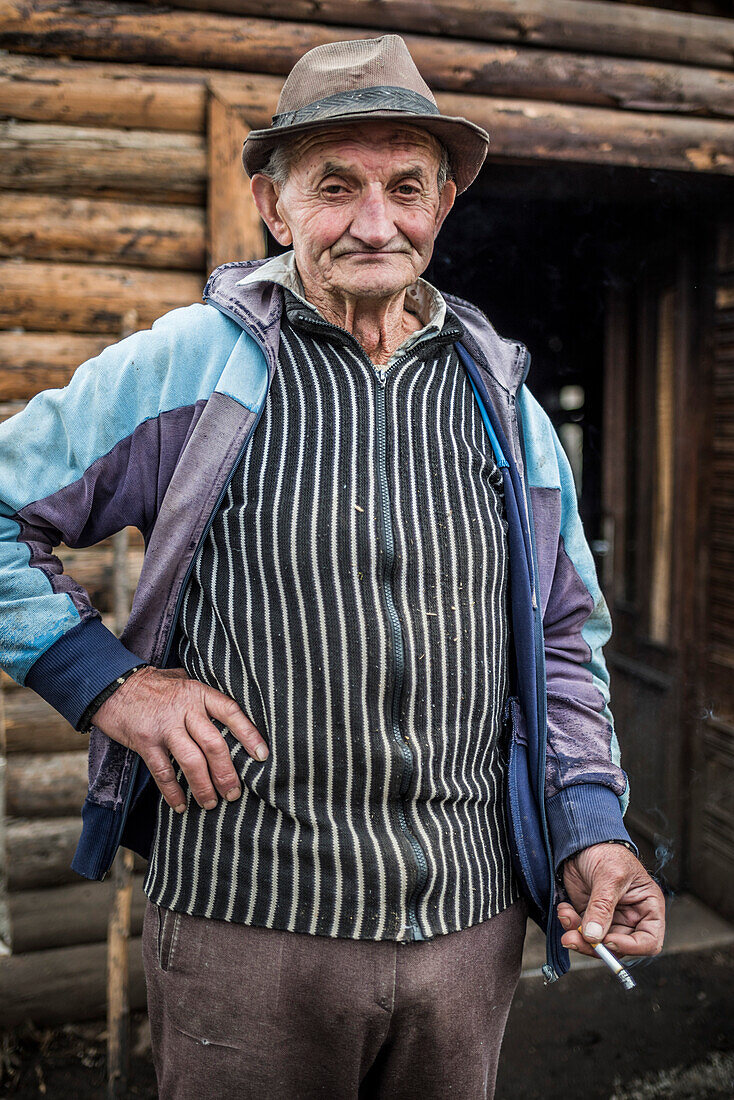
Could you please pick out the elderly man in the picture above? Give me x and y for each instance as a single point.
(358, 719)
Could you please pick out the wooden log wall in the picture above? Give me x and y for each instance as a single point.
(120, 188)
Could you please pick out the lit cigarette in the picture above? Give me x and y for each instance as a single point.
(614, 964)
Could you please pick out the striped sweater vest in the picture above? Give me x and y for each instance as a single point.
(351, 595)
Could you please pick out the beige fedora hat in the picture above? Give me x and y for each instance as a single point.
(365, 79)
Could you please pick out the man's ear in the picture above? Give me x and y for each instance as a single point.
(445, 202)
(266, 194)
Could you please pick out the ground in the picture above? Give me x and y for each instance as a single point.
(582, 1039)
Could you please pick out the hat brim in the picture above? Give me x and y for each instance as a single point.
(466, 143)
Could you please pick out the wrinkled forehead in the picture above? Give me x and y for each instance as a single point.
(373, 137)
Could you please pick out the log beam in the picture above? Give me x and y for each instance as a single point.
(49, 227)
(594, 27)
(107, 163)
(63, 916)
(522, 129)
(169, 37)
(40, 852)
(88, 298)
(33, 726)
(49, 784)
(63, 985)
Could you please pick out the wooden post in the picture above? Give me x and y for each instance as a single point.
(235, 231)
(118, 935)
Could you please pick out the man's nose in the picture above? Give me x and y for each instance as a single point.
(372, 223)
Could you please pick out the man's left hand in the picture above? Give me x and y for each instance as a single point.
(620, 904)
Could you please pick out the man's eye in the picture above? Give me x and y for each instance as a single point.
(334, 188)
(407, 189)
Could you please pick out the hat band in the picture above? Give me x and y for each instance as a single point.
(379, 98)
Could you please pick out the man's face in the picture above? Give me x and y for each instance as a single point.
(361, 207)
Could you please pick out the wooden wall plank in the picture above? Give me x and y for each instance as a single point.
(49, 784)
(40, 852)
(63, 916)
(139, 97)
(519, 129)
(63, 984)
(49, 227)
(32, 725)
(109, 163)
(248, 44)
(88, 297)
(597, 27)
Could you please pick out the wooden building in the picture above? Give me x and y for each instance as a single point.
(600, 232)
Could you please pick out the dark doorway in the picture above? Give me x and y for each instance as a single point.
(602, 273)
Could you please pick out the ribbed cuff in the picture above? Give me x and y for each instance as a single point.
(582, 815)
(78, 666)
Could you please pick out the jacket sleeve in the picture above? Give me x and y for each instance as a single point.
(585, 786)
(78, 464)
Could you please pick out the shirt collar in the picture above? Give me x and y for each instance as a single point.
(421, 298)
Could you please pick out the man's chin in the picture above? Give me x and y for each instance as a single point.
(375, 277)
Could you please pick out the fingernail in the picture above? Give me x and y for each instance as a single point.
(180, 807)
(593, 931)
(231, 795)
(261, 752)
(210, 804)
(572, 947)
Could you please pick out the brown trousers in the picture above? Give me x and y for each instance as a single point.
(244, 1012)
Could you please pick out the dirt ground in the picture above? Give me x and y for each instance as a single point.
(582, 1039)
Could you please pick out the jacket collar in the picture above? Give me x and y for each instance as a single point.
(257, 305)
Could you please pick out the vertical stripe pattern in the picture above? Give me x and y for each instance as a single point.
(305, 609)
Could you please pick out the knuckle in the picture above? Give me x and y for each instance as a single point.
(162, 773)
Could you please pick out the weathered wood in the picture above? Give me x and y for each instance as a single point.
(273, 46)
(33, 726)
(109, 163)
(63, 985)
(596, 27)
(139, 97)
(118, 993)
(40, 852)
(87, 93)
(63, 916)
(88, 297)
(47, 227)
(46, 784)
(530, 130)
(235, 231)
(526, 129)
(35, 361)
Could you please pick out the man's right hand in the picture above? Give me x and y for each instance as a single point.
(162, 713)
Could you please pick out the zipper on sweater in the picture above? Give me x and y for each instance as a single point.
(398, 659)
(416, 933)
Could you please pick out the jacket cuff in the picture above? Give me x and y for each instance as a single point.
(582, 815)
(78, 666)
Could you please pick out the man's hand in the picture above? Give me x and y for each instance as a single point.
(620, 904)
(158, 712)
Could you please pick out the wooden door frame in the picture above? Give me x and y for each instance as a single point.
(235, 230)
(674, 666)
